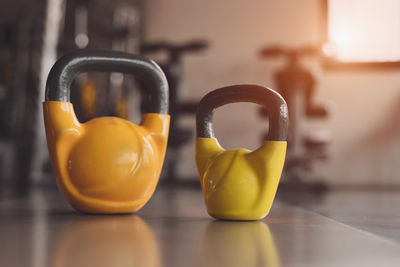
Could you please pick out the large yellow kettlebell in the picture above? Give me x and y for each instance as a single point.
(240, 184)
(106, 165)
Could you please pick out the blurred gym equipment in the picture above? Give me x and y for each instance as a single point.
(97, 24)
(21, 32)
(297, 85)
(173, 69)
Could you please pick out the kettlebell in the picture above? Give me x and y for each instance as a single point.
(240, 184)
(108, 164)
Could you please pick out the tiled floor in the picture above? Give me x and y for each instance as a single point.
(375, 212)
(174, 230)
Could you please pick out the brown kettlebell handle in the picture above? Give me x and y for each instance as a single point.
(268, 98)
(146, 71)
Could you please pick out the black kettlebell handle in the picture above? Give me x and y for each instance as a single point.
(268, 98)
(146, 71)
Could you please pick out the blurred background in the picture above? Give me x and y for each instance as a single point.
(336, 62)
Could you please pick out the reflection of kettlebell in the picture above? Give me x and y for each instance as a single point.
(239, 244)
(240, 184)
(106, 165)
(106, 241)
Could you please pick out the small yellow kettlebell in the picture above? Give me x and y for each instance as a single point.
(240, 184)
(108, 164)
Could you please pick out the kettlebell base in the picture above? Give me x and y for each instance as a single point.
(106, 212)
(237, 216)
(106, 207)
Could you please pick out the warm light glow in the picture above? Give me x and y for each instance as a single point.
(329, 50)
(363, 30)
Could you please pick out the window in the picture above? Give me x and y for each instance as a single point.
(363, 31)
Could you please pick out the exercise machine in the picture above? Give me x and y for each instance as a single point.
(297, 85)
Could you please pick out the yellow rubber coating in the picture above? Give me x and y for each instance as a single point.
(239, 184)
(108, 164)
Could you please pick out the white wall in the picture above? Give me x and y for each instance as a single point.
(362, 103)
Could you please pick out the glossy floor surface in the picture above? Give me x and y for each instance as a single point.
(337, 229)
